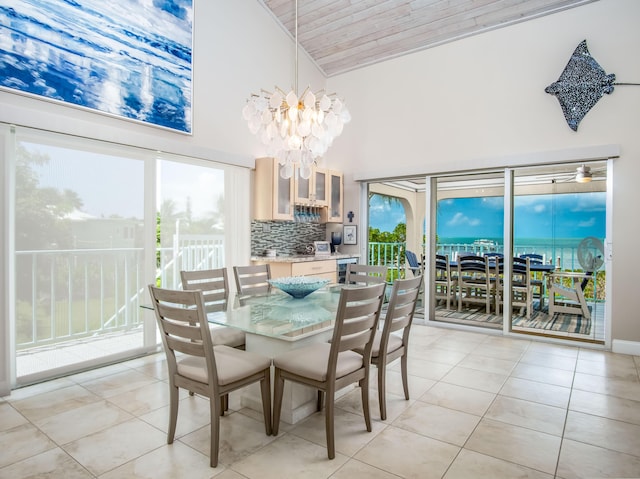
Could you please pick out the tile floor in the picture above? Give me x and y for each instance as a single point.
(481, 406)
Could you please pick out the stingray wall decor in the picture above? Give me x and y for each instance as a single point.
(582, 83)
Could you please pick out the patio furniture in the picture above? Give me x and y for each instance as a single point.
(537, 276)
(570, 299)
(414, 265)
(445, 282)
(475, 282)
(521, 285)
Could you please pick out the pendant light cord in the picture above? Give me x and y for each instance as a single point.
(296, 62)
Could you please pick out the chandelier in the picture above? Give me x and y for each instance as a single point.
(295, 129)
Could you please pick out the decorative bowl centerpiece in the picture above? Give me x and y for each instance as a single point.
(298, 286)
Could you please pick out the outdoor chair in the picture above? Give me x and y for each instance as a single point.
(200, 367)
(252, 279)
(521, 285)
(571, 298)
(412, 260)
(329, 367)
(365, 275)
(476, 283)
(445, 282)
(215, 291)
(388, 347)
(537, 279)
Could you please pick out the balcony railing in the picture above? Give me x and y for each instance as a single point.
(62, 295)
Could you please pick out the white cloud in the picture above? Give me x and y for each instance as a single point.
(460, 219)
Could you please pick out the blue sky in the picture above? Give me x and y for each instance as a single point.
(536, 216)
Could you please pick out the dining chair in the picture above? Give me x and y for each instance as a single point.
(388, 347)
(521, 285)
(475, 281)
(537, 279)
(363, 274)
(253, 279)
(445, 282)
(196, 365)
(215, 292)
(329, 367)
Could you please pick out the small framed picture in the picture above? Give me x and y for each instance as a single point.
(349, 235)
(322, 248)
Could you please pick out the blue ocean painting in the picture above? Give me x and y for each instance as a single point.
(130, 58)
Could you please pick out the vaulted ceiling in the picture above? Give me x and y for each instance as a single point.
(343, 35)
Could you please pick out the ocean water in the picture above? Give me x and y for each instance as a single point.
(559, 251)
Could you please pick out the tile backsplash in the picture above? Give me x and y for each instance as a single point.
(286, 237)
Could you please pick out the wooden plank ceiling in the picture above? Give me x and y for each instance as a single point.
(343, 35)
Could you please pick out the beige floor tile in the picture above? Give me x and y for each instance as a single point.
(155, 369)
(472, 378)
(99, 373)
(624, 369)
(54, 402)
(408, 455)
(437, 355)
(37, 389)
(350, 431)
(146, 398)
(193, 413)
(543, 374)
(627, 389)
(470, 464)
(505, 352)
(354, 469)
(228, 474)
(289, 457)
(537, 358)
(488, 364)
(352, 402)
(167, 462)
(240, 436)
(417, 385)
(554, 349)
(537, 392)
(460, 398)
(532, 449)
(80, 422)
(10, 417)
(608, 433)
(610, 407)
(118, 383)
(579, 461)
(52, 463)
(532, 415)
(455, 343)
(110, 448)
(438, 422)
(424, 369)
(607, 357)
(22, 442)
(503, 342)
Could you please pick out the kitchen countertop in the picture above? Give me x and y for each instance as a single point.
(299, 258)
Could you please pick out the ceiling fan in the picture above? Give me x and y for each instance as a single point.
(584, 173)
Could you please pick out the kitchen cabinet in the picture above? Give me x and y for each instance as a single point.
(314, 190)
(336, 193)
(320, 268)
(273, 195)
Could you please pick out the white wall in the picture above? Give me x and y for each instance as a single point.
(480, 101)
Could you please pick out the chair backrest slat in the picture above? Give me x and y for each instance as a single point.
(365, 274)
(213, 283)
(252, 279)
(401, 308)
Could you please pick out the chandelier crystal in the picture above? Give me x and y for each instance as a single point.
(296, 129)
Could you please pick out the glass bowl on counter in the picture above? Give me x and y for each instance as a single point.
(299, 286)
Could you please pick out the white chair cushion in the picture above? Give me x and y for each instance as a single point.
(311, 362)
(231, 364)
(222, 335)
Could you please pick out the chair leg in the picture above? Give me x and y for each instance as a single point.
(265, 387)
(223, 404)
(329, 423)
(364, 392)
(173, 412)
(382, 394)
(278, 388)
(215, 412)
(405, 375)
(320, 400)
